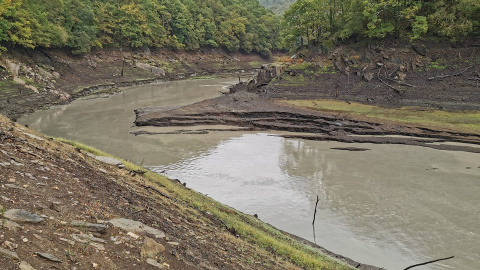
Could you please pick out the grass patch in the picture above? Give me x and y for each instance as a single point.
(460, 121)
(249, 228)
(438, 65)
(203, 77)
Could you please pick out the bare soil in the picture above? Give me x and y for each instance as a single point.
(63, 184)
(60, 77)
(388, 75)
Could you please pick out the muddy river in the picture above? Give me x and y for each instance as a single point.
(391, 206)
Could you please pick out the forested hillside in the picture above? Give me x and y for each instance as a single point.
(312, 21)
(277, 6)
(178, 24)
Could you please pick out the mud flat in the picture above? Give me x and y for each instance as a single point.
(257, 111)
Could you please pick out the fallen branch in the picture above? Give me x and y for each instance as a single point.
(315, 213)
(161, 193)
(402, 83)
(451, 75)
(378, 76)
(429, 262)
(474, 79)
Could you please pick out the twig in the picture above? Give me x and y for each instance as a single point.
(415, 265)
(395, 70)
(451, 75)
(161, 193)
(395, 89)
(474, 79)
(315, 213)
(402, 83)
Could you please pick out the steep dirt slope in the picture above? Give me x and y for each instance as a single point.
(62, 208)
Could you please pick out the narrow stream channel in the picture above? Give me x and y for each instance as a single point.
(391, 206)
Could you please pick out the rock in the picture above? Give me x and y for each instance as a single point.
(15, 187)
(12, 226)
(155, 70)
(25, 266)
(368, 76)
(109, 160)
(90, 240)
(48, 256)
(136, 227)
(10, 245)
(153, 262)
(133, 235)
(420, 49)
(33, 136)
(9, 254)
(13, 162)
(90, 226)
(19, 215)
(151, 248)
(86, 237)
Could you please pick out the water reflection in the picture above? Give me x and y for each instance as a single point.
(388, 206)
(392, 206)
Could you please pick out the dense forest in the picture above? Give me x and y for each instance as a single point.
(177, 24)
(232, 25)
(314, 21)
(277, 6)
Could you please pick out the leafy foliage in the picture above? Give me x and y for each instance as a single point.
(178, 24)
(277, 6)
(313, 21)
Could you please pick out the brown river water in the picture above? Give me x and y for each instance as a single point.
(391, 206)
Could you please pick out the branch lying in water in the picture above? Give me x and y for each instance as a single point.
(415, 265)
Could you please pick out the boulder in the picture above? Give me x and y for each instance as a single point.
(19, 215)
(151, 248)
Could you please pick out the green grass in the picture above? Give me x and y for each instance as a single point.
(438, 65)
(460, 121)
(203, 77)
(249, 228)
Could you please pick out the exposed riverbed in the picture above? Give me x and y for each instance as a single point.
(391, 206)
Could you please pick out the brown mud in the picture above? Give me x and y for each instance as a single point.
(388, 75)
(62, 185)
(257, 111)
(36, 79)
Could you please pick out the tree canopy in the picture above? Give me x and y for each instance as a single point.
(277, 6)
(312, 21)
(177, 24)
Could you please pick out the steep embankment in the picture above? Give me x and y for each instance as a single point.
(390, 74)
(34, 79)
(63, 207)
(255, 105)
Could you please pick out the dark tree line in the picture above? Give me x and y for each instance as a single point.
(314, 21)
(178, 24)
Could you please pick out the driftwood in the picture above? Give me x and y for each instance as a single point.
(399, 82)
(315, 213)
(161, 193)
(393, 88)
(429, 262)
(451, 75)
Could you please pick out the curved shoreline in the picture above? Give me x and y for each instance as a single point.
(255, 111)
